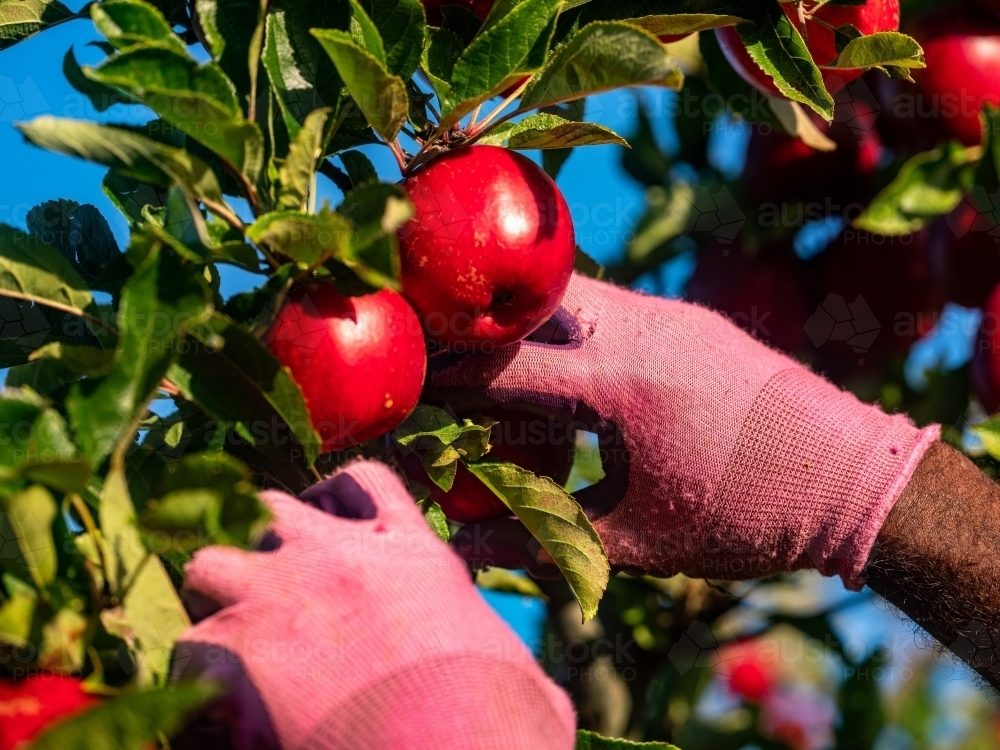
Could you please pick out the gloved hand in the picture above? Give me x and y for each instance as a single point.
(724, 458)
(362, 631)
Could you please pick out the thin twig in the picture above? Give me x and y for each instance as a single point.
(224, 213)
(397, 151)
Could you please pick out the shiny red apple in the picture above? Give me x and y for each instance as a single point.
(360, 361)
(531, 441)
(30, 705)
(872, 16)
(490, 250)
(962, 49)
(986, 355)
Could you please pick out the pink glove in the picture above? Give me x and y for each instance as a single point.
(724, 458)
(363, 632)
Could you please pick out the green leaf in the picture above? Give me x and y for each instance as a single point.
(365, 33)
(131, 196)
(879, 49)
(35, 444)
(150, 615)
(44, 376)
(586, 740)
(359, 168)
(774, 43)
(17, 613)
(928, 185)
(19, 19)
(233, 377)
(128, 22)
(495, 55)
(587, 266)
(29, 515)
(77, 231)
(228, 28)
(128, 152)
(441, 465)
(207, 498)
(424, 422)
(401, 28)
(197, 99)
(34, 271)
(86, 360)
(559, 524)
(379, 95)
(377, 210)
(308, 239)
(684, 23)
(545, 131)
(297, 171)
(508, 582)
(601, 57)
(133, 721)
(436, 519)
(163, 299)
(441, 52)
(301, 74)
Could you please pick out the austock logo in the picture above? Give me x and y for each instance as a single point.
(978, 211)
(838, 320)
(20, 100)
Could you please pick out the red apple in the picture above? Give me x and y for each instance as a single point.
(751, 680)
(781, 169)
(30, 705)
(876, 295)
(531, 441)
(962, 50)
(433, 8)
(965, 250)
(764, 294)
(360, 361)
(872, 16)
(986, 355)
(489, 253)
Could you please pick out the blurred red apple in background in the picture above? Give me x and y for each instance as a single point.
(965, 249)
(962, 50)
(764, 294)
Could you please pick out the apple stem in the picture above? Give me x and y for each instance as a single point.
(475, 116)
(475, 132)
(397, 151)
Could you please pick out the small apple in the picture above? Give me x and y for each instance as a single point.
(531, 441)
(763, 294)
(868, 17)
(490, 250)
(965, 251)
(435, 17)
(360, 361)
(30, 705)
(962, 50)
(986, 355)
(781, 169)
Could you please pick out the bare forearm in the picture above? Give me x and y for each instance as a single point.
(937, 558)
